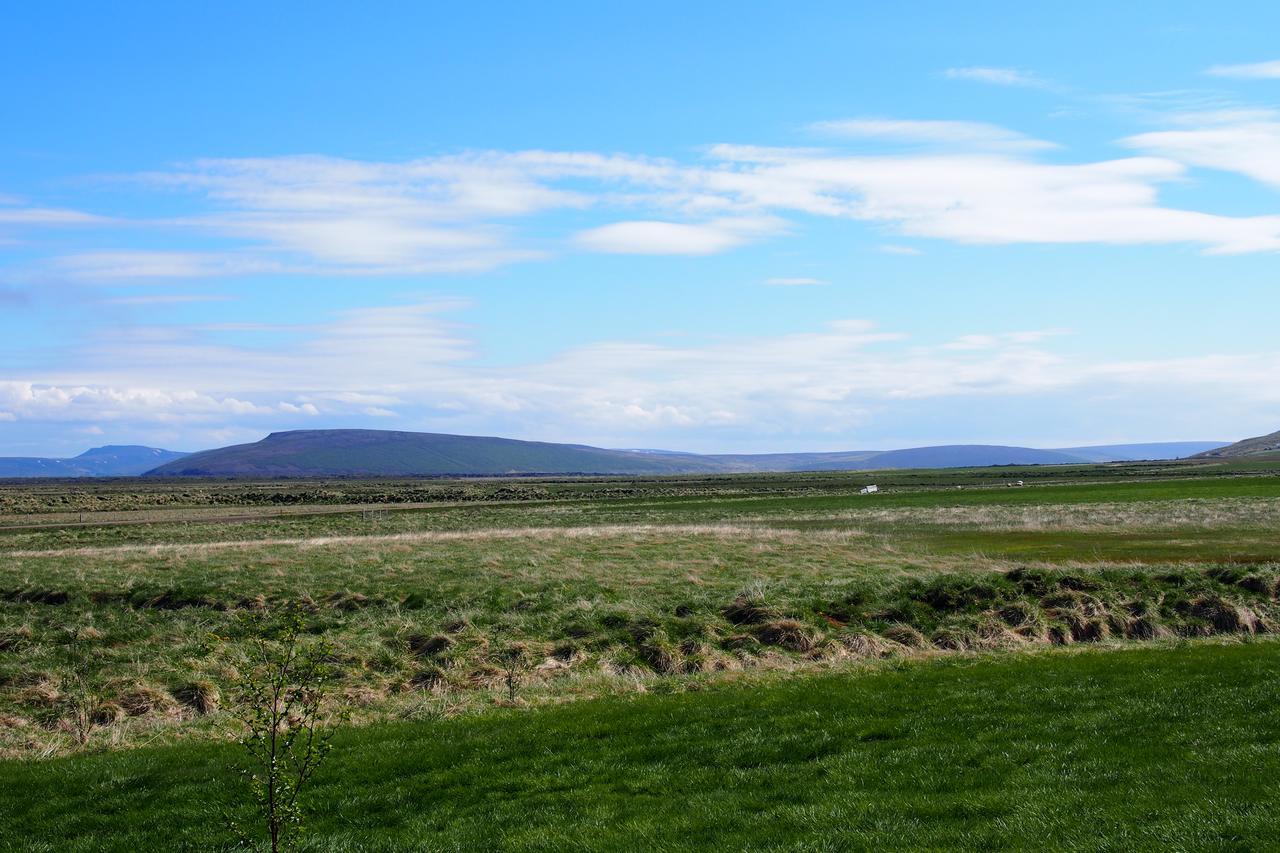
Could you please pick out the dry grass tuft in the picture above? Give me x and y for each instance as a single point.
(1225, 616)
(457, 626)
(16, 639)
(363, 696)
(750, 608)
(788, 634)
(145, 700)
(13, 721)
(43, 694)
(905, 635)
(428, 646)
(952, 639)
(864, 644)
(664, 659)
(992, 633)
(429, 678)
(1086, 629)
(107, 713)
(201, 696)
(1144, 628)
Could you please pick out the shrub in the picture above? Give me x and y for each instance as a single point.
(278, 700)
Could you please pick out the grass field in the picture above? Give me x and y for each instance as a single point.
(1168, 748)
(900, 669)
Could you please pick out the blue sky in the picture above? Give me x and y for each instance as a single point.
(739, 227)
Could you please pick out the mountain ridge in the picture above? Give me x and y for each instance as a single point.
(111, 460)
(387, 453)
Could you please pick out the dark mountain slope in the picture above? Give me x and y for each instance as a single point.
(1249, 447)
(378, 453)
(967, 456)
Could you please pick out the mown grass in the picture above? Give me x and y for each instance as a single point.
(1157, 748)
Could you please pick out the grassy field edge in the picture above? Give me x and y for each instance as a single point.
(1173, 746)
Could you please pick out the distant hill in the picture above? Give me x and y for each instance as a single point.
(114, 460)
(379, 453)
(1129, 452)
(968, 456)
(1249, 447)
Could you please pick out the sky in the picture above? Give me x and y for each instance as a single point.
(738, 227)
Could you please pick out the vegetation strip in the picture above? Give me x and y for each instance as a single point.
(603, 530)
(71, 667)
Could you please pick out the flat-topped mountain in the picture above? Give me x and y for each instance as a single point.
(381, 453)
(1249, 447)
(113, 460)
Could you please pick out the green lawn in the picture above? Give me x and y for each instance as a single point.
(1152, 748)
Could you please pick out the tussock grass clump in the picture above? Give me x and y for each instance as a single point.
(1145, 628)
(992, 633)
(424, 645)
(953, 639)
(1085, 628)
(35, 596)
(747, 644)
(201, 696)
(347, 601)
(949, 594)
(107, 713)
(43, 693)
(13, 721)
(661, 655)
(146, 700)
(864, 644)
(1225, 616)
(905, 635)
(16, 639)
(566, 652)
(750, 608)
(789, 634)
(428, 678)
(174, 599)
(1059, 635)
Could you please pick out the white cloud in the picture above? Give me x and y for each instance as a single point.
(993, 198)
(895, 249)
(141, 264)
(80, 402)
(1251, 71)
(675, 238)
(47, 216)
(1247, 143)
(962, 181)
(836, 376)
(794, 282)
(167, 299)
(996, 76)
(974, 134)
